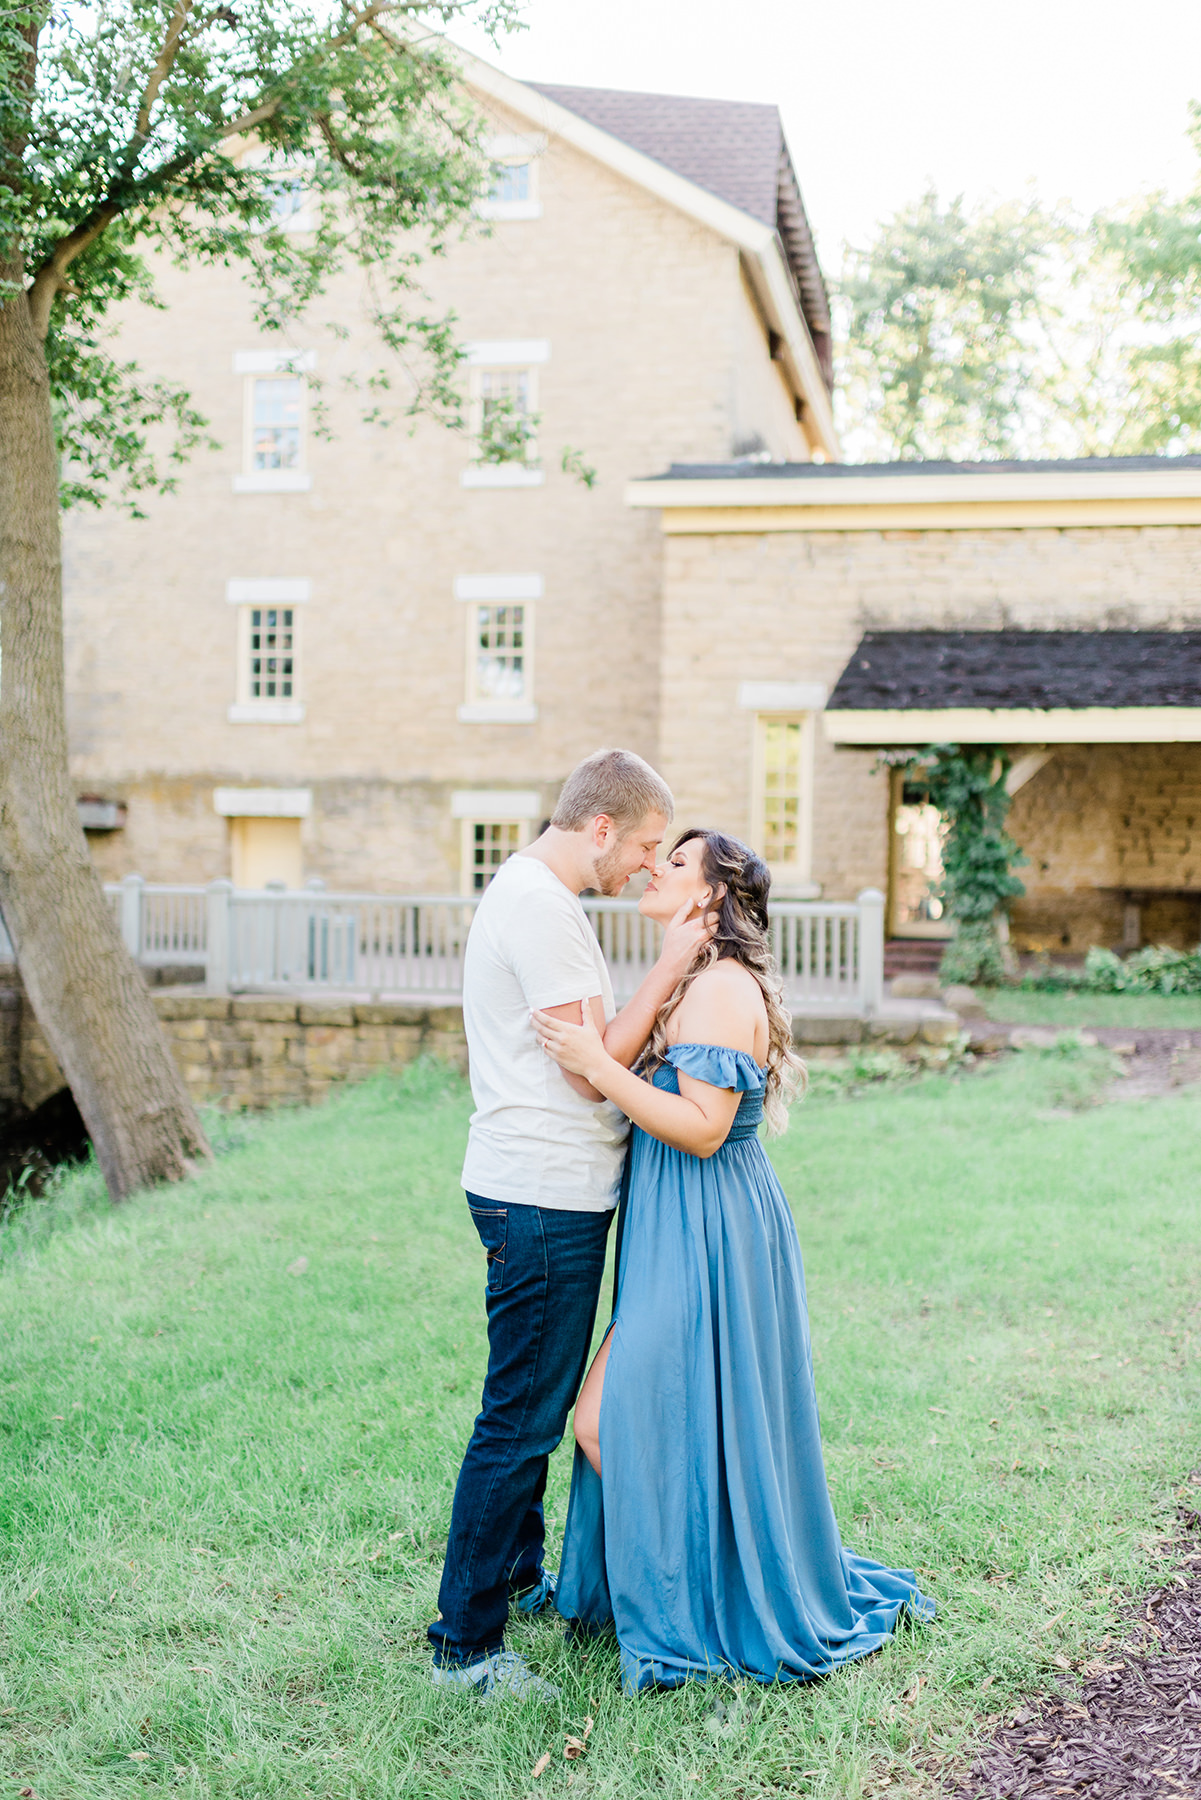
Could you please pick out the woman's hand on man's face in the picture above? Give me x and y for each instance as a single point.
(577, 1048)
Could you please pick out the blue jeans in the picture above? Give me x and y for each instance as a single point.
(544, 1275)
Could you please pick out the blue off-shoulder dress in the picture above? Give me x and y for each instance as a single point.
(711, 1545)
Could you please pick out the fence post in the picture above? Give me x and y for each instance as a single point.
(216, 962)
(131, 914)
(871, 950)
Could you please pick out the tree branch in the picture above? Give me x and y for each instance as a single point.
(162, 68)
(50, 277)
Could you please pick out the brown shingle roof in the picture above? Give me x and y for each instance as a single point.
(732, 148)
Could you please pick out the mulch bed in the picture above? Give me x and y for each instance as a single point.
(1131, 1725)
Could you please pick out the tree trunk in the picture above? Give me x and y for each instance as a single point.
(88, 993)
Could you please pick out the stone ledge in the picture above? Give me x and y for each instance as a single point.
(190, 1006)
(266, 1009)
(325, 1012)
(394, 1012)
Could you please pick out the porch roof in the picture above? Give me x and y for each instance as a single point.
(903, 687)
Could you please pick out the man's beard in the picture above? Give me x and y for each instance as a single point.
(608, 874)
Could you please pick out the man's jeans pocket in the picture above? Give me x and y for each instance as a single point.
(492, 1223)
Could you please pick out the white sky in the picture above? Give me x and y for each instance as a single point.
(1087, 98)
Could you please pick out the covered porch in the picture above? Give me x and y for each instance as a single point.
(1104, 732)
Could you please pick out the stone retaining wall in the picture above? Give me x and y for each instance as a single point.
(250, 1050)
(254, 1050)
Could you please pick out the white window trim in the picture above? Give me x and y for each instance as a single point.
(790, 881)
(492, 806)
(498, 587)
(782, 696)
(510, 147)
(511, 209)
(514, 146)
(498, 712)
(269, 590)
(502, 475)
(272, 481)
(274, 362)
(467, 843)
(245, 709)
(267, 712)
(507, 353)
(483, 710)
(263, 803)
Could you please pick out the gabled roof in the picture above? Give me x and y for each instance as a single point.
(776, 250)
(933, 670)
(734, 149)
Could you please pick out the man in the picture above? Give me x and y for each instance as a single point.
(542, 1169)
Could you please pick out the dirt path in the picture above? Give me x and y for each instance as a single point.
(1156, 1059)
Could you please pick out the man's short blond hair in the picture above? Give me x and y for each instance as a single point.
(614, 782)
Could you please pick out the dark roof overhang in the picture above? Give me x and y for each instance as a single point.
(1014, 686)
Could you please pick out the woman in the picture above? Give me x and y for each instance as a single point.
(700, 1523)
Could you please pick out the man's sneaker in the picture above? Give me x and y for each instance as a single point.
(537, 1599)
(503, 1676)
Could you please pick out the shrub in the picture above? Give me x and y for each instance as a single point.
(1157, 969)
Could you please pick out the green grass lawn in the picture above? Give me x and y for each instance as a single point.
(232, 1414)
(1067, 1011)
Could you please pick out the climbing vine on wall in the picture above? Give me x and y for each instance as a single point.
(967, 785)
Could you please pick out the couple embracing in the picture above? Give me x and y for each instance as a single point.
(699, 1525)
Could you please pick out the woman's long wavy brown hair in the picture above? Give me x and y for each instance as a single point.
(743, 882)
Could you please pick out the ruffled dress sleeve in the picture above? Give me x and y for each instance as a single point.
(717, 1065)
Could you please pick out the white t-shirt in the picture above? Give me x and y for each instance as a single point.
(533, 1139)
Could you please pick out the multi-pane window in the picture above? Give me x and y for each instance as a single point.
(271, 662)
(503, 390)
(287, 198)
(275, 426)
(782, 770)
(510, 182)
(782, 801)
(499, 669)
(489, 843)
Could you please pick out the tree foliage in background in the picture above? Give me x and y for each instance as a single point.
(132, 131)
(1159, 246)
(1017, 330)
(932, 317)
(966, 783)
(142, 127)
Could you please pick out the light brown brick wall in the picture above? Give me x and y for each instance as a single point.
(1101, 818)
(655, 354)
(790, 606)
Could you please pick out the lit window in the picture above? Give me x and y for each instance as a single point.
(499, 665)
(781, 789)
(488, 843)
(783, 803)
(276, 412)
(510, 182)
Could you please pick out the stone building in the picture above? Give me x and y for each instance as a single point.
(371, 659)
(815, 616)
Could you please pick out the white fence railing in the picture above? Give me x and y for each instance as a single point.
(831, 954)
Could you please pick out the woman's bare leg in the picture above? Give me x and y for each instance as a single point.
(588, 1406)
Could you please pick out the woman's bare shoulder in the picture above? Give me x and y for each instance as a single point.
(723, 999)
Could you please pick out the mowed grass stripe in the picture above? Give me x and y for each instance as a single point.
(225, 1485)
